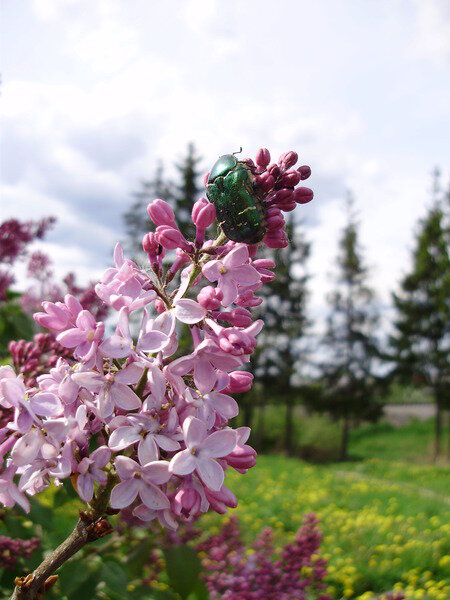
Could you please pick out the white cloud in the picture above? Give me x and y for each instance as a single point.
(432, 31)
(96, 91)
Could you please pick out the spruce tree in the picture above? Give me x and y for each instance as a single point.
(349, 381)
(180, 193)
(421, 342)
(187, 190)
(281, 351)
(136, 226)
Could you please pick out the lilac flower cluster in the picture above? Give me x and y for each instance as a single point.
(31, 359)
(278, 183)
(233, 573)
(159, 422)
(11, 550)
(14, 238)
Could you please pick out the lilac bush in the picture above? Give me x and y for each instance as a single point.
(133, 422)
(231, 571)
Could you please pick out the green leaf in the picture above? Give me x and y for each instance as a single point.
(200, 592)
(138, 557)
(72, 576)
(152, 594)
(86, 591)
(40, 514)
(115, 579)
(183, 569)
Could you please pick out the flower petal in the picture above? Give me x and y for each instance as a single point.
(219, 443)
(182, 463)
(124, 493)
(124, 397)
(211, 473)
(122, 437)
(126, 467)
(148, 450)
(85, 487)
(157, 472)
(188, 311)
(153, 497)
(116, 346)
(194, 431)
(153, 341)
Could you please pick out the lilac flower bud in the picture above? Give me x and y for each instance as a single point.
(304, 171)
(187, 503)
(160, 306)
(242, 458)
(276, 239)
(290, 179)
(288, 159)
(265, 182)
(210, 297)
(205, 179)
(274, 170)
(283, 195)
(287, 206)
(262, 158)
(238, 317)
(150, 244)
(240, 381)
(303, 195)
(160, 212)
(181, 259)
(262, 266)
(219, 501)
(171, 238)
(274, 219)
(248, 298)
(203, 213)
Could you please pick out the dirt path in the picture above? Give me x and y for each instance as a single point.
(401, 414)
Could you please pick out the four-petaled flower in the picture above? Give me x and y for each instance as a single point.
(201, 450)
(140, 480)
(90, 470)
(232, 273)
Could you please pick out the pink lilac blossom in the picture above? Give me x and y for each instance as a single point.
(231, 572)
(12, 550)
(119, 412)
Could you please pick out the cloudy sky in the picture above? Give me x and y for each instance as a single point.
(94, 92)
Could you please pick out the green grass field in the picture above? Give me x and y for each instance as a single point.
(386, 523)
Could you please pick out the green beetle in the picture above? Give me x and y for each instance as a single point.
(240, 208)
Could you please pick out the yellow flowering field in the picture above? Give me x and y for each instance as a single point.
(386, 526)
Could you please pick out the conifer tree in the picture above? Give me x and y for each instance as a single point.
(136, 226)
(180, 194)
(421, 342)
(350, 347)
(187, 190)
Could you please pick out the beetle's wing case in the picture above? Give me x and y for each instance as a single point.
(240, 208)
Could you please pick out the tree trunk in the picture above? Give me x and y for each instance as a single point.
(437, 431)
(289, 426)
(259, 437)
(248, 413)
(344, 438)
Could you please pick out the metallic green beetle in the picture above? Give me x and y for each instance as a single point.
(239, 206)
